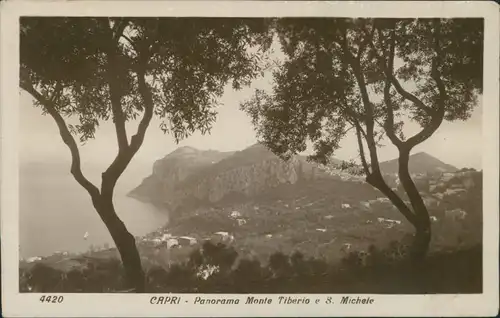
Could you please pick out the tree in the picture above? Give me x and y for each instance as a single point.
(369, 76)
(91, 70)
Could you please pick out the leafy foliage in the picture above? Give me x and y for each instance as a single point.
(370, 75)
(83, 64)
(367, 75)
(375, 271)
(98, 69)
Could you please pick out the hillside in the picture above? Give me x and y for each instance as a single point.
(269, 204)
(160, 187)
(259, 205)
(189, 177)
(420, 163)
(323, 218)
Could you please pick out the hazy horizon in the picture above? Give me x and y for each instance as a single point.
(40, 140)
(456, 143)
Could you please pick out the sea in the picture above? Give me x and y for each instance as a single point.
(56, 213)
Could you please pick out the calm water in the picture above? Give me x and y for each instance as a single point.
(55, 212)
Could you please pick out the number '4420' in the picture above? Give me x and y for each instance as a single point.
(52, 299)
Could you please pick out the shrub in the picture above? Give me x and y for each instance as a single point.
(374, 271)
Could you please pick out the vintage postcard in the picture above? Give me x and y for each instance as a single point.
(249, 158)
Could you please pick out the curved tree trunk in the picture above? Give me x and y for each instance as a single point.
(125, 243)
(422, 222)
(418, 216)
(103, 200)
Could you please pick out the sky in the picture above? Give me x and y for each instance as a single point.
(456, 143)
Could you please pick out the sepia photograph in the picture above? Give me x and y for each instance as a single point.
(250, 160)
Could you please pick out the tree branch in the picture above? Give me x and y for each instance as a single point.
(438, 116)
(114, 171)
(366, 168)
(369, 118)
(365, 42)
(119, 28)
(138, 138)
(394, 81)
(66, 137)
(389, 123)
(115, 90)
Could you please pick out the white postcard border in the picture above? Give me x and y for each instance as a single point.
(133, 305)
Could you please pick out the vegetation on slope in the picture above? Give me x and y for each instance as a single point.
(219, 269)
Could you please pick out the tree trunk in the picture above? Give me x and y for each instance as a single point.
(419, 218)
(422, 223)
(125, 243)
(421, 243)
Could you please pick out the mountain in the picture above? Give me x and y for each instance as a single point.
(419, 163)
(161, 186)
(192, 176)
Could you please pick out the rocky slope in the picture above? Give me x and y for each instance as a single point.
(289, 206)
(419, 163)
(162, 185)
(191, 178)
(187, 176)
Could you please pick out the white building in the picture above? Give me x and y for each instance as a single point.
(166, 236)
(223, 237)
(388, 221)
(345, 247)
(33, 259)
(365, 204)
(187, 241)
(171, 243)
(235, 214)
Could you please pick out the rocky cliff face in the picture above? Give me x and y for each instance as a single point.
(188, 174)
(169, 172)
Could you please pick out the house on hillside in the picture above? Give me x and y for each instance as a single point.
(33, 259)
(346, 247)
(438, 195)
(166, 236)
(187, 241)
(235, 214)
(380, 202)
(453, 192)
(157, 241)
(171, 243)
(365, 204)
(388, 222)
(222, 237)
